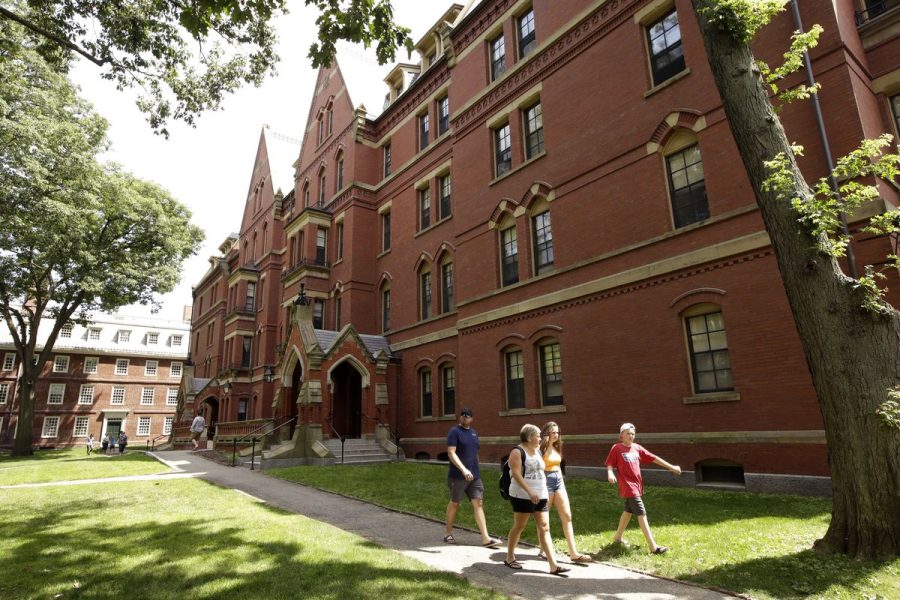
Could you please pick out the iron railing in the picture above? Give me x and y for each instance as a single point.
(270, 428)
(330, 421)
(874, 9)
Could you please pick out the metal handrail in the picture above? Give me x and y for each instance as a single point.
(395, 438)
(153, 441)
(254, 440)
(234, 441)
(330, 421)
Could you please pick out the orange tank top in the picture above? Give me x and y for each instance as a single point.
(552, 459)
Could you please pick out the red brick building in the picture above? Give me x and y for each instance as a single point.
(547, 219)
(118, 373)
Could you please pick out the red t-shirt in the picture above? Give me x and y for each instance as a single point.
(627, 461)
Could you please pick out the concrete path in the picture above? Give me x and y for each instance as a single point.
(421, 539)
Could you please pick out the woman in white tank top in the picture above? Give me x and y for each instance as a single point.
(528, 496)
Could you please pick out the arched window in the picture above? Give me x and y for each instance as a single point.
(708, 346)
(425, 294)
(321, 201)
(551, 372)
(385, 307)
(425, 392)
(339, 173)
(448, 389)
(514, 369)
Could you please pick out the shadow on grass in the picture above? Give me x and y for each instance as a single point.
(799, 575)
(54, 552)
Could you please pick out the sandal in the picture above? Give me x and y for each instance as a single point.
(492, 543)
(558, 571)
(449, 539)
(660, 550)
(512, 564)
(582, 558)
(541, 555)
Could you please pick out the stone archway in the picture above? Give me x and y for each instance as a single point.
(346, 400)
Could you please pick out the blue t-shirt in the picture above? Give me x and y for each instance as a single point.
(466, 442)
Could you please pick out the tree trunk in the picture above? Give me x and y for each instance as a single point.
(25, 423)
(853, 354)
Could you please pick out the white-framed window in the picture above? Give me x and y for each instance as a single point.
(4, 392)
(81, 427)
(151, 367)
(172, 397)
(86, 394)
(65, 331)
(90, 364)
(118, 395)
(175, 369)
(167, 425)
(121, 366)
(9, 361)
(176, 340)
(147, 395)
(60, 364)
(123, 336)
(56, 393)
(143, 427)
(51, 427)
(152, 338)
(94, 334)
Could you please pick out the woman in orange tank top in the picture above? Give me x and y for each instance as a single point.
(551, 449)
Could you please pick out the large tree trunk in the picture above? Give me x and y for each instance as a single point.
(853, 354)
(25, 423)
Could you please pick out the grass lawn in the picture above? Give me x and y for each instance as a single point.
(74, 463)
(754, 544)
(163, 540)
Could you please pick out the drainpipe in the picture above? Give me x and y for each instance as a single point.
(823, 137)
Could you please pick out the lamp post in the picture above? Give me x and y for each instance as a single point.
(268, 374)
(302, 300)
(226, 387)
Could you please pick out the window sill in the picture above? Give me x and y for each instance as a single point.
(667, 82)
(432, 226)
(518, 168)
(435, 419)
(514, 412)
(715, 397)
(383, 253)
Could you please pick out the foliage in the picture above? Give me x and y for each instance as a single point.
(186, 57)
(742, 19)
(75, 236)
(793, 59)
(822, 212)
(185, 538)
(889, 410)
(767, 554)
(362, 21)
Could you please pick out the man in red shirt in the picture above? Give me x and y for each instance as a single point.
(626, 457)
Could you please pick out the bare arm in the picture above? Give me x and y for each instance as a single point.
(674, 468)
(610, 474)
(451, 454)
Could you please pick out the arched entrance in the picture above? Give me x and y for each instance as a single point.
(346, 401)
(213, 417)
(290, 411)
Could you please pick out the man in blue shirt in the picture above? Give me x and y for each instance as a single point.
(464, 478)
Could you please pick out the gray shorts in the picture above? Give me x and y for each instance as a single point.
(460, 487)
(635, 506)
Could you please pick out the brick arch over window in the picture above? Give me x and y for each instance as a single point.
(696, 296)
(446, 251)
(684, 119)
(547, 331)
(513, 339)
(539, 192)
(424, 262)
(385, 279)
(503, 212)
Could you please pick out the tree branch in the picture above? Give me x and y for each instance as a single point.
(52, 37)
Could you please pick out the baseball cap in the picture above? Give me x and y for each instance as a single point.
(626, 426)
(466, 412)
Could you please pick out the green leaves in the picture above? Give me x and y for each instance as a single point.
(793, 60)
(368, 22)
(742, 19)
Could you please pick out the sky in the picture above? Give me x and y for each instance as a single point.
(208, 167)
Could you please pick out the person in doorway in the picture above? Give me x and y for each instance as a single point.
(123, 441)
(104, 443)
(528, 495)
(197, 427)
(626, 458)
(90, 443)
(551, 452)
(464, 478)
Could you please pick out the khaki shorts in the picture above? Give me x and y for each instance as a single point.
(195, 435)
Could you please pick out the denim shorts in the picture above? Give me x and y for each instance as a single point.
(555, 481)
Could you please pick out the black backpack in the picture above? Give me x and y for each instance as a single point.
(506, 476)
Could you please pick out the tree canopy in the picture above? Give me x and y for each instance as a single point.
(75, 235)
(186, 57)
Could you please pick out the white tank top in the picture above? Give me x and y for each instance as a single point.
(534, 477)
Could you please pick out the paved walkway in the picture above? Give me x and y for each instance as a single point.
(421, 539)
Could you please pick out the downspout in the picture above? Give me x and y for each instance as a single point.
(823, 137)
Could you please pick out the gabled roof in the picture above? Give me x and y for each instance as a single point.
(374, 343)
(199, 384)
(283, 151)
(363, 77)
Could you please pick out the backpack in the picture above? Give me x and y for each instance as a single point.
(506, 476)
